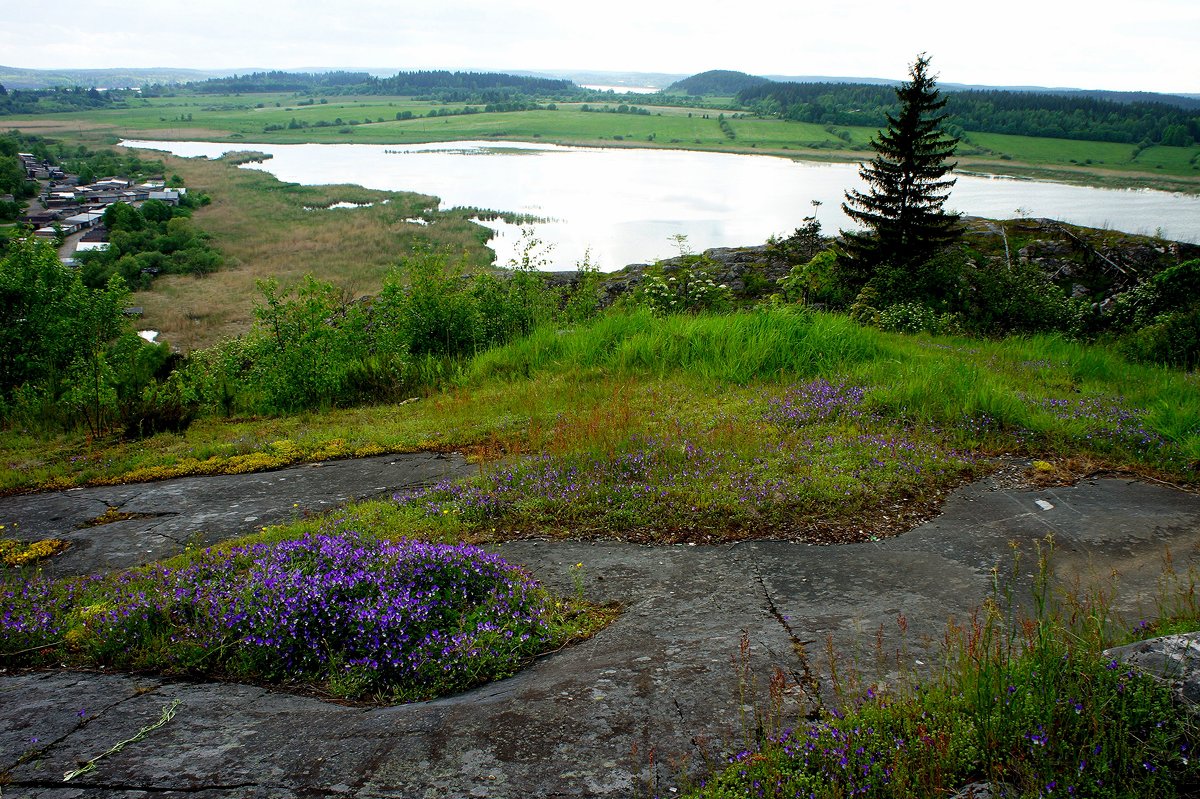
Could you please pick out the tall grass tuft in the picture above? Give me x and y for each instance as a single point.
(769, 344)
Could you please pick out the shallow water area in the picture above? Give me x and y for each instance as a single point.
(621, 206)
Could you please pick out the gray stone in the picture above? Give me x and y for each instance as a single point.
(1173, 660)
(171, 514)
(629, 712)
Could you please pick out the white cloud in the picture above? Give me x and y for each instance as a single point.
(1094, 44)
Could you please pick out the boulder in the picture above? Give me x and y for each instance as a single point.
(1173, 660)
(728, 265)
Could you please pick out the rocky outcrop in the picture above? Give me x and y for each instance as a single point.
(1084, 262)
(980, 790)
(750, 272)
(1173, 660)
(1103, 261)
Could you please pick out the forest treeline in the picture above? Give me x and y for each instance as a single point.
(1134, 118)
(55, 101)
(1060, 116)
(717, 82)
(425, 82)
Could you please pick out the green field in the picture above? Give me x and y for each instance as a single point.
(372, 120)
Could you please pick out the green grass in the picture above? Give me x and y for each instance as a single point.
(1037, 150)
(1178, 162)
(736, 348)
(1172, 160)
(244, 118)
(699, 428)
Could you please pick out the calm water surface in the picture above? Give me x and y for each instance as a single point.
(625, 205)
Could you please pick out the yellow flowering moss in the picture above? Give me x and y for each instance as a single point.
(287, 450)
(14, 554)
(331, 450)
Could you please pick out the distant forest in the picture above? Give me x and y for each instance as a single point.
(1061, 116)
(1135, 118)
(53, 101)
(717, 82)
(451, 86)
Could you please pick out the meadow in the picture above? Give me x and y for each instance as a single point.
(373, 120)
(269, 229)
(630, 380)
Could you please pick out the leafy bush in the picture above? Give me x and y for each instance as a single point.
(1178, 286)
(144, 242)
(1172, 339)
(313, 347)
(911, 317)
(67, 355)
(306, 350)
(815, 281)
(686, 289)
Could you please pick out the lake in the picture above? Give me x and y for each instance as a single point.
(625, 205)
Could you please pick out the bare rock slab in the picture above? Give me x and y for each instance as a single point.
(624, 714)
(170, 514)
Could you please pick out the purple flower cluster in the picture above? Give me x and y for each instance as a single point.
(33, 609)
(816, 401)
(405, 616)
(1104, 421)
(852, 759)
(680, 484)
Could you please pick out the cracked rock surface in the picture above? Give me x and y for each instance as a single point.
(1173, 660)
(203, 510)
(626, 713)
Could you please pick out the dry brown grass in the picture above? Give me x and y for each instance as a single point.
(262, 228)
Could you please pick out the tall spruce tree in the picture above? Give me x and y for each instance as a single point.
(902, 212)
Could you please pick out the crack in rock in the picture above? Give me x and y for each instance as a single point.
(120, 786)
(37, 753)
(807, 678)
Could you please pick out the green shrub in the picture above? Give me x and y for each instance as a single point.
(910, 318)
(67, 356)
(999, 299)
(815, 282)
(1178, 286)
(1173, 340)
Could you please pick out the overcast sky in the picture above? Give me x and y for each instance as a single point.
(1151, 45)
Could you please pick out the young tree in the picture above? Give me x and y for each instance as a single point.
(903, 209)
(56, 336)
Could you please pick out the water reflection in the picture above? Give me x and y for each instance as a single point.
(625, 205)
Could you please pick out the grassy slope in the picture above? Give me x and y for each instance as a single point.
(629, 375)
